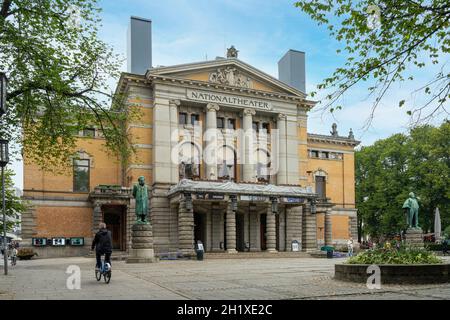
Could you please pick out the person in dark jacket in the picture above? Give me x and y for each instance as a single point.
(445, 246)
(102, 244)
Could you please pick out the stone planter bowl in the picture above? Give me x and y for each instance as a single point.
(395, 273)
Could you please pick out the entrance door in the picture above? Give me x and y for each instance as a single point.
(200, 229)
(114, 218)
(240, 240)
(263, 232)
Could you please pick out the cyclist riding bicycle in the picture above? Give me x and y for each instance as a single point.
(103, 246)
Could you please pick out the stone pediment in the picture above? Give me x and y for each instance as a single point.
(228, 72)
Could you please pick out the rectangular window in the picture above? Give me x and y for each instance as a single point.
(266, 127)
(231, 124)
(89, 132)
(220, 123)
(320, 187)
(182, 118)
(325, 155)
(195, 119)
(314, 154)
(81, 175)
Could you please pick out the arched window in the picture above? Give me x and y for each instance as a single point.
(263, 165)
(189, 156)
(226, 163)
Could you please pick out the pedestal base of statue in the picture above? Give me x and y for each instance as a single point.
(414, 237)
(141, 244)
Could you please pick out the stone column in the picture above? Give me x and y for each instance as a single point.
(271, 230)
(97, 216)
(185, 229)
(211, 141)
(247, 144)
(294, 216)
(282, 156)
(309, 232)
(173, 112)
(328, 237)
(231, 229)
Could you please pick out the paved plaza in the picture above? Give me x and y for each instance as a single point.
(246, 279)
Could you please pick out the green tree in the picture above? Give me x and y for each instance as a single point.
(391, 168)
(58, 71)
(14, 205)
(406, 36)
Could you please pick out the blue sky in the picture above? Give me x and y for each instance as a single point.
(192, 30)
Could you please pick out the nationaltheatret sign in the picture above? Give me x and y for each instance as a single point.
(205, 96)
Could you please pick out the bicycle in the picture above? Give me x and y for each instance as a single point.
(105, 271)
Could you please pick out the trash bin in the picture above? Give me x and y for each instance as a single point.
(330, 253)
(329, 250)
(200, 250)
(199, 254)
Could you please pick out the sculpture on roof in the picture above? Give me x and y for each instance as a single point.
(232, 52)
(350, 134)
(333, 131)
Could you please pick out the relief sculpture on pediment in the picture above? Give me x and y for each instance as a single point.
(230, 76)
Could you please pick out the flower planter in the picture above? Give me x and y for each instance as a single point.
(395, 273)
(26, 257)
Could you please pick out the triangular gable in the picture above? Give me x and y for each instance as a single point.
(232, 72)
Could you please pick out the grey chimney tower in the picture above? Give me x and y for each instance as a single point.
(292, 71)
(139, 45)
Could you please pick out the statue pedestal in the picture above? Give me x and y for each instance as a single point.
(141, 244)
(414, 237)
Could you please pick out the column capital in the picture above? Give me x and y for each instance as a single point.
(281, 116)
(212, 107)
(249, 112)
(175, 102)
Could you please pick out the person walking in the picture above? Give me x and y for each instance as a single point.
(103, 245)
(350, 247)
(444, 246)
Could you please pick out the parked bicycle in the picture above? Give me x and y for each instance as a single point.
(105, 271)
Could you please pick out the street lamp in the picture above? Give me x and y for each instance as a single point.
(4, 159)
(3, 85)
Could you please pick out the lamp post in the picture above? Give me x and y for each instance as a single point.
(3, 85)
(4, 159)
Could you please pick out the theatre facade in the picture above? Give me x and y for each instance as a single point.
(225, 150)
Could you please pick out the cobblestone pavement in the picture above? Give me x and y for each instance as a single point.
(282, 278)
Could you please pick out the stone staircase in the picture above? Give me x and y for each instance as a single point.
(256, 255)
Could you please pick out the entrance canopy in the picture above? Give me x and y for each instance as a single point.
(229, 187)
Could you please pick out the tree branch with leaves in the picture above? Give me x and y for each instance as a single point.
(411, 35)
(58, 72)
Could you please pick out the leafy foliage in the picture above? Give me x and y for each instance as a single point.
(394, 256)
(58, 71)
(391, 168)
(410, 35)
(13, 203)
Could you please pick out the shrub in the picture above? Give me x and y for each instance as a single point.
(395, 256)
(433, 246)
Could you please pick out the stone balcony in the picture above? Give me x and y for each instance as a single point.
(111, 191)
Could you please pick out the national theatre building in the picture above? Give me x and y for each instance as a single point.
(225, 151)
